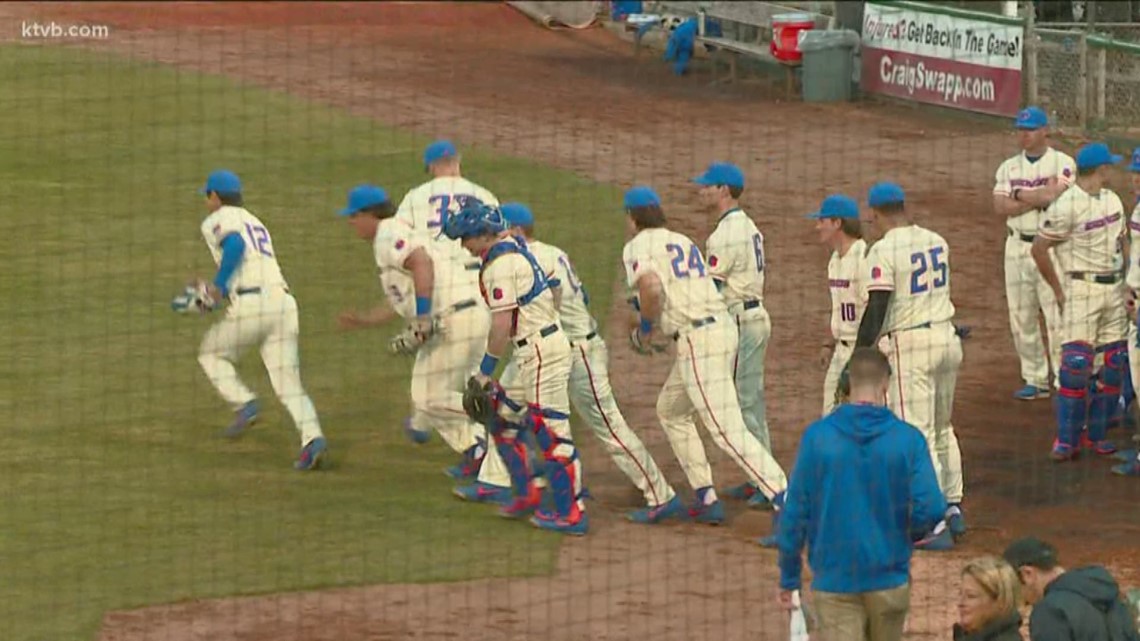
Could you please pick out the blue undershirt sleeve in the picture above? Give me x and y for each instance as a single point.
(233, 249)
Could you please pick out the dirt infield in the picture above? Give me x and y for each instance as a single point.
(484, 74)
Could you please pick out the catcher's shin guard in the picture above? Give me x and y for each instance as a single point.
(1106, 394)
(562, 471)
(1071, 403)
(514, 455)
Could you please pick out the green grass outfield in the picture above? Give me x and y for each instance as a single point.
(116, 490)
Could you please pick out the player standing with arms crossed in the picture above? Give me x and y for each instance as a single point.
(677, 300)
(837, 222)
(590, 391)
(261, 312)
(1086, 228)
(909, 314)
(427, 288)
(1024, 186)
(523, 312)
(736, 264)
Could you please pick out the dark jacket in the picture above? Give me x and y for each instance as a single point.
(1083, 604)
(862, 490)
(1007, 628)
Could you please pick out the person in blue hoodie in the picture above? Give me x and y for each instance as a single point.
(863, 490)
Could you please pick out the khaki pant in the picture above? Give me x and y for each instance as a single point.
(869, 616)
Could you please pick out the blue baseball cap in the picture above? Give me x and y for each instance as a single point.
(439, 150)
(1031, 118)
(641, 196)
(721, 173)
(363, 197)
(1135, 166)
(1094, 155)
(517, 214)
(885, 193)
(222, 181)
(837, 206)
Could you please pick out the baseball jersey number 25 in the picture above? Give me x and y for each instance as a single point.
(259, 238)
(918, 260)
(694, 262)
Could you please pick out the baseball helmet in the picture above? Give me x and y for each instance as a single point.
(474, 218)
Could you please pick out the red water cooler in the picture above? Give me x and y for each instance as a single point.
(786, 33)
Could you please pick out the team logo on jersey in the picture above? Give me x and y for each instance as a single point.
(712, 261)
(1066, 172)
(635, 265)
(400, 244)
(876, 273)
(217, 230)
(497, 294)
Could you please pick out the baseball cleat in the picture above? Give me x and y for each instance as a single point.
(767, 541)
(956, 522)
(673, 508)
(1064, 452)
(419, 437)
(1031, 393)
(1127, 469)
(742, 492)
(468, 468)
(1125, 455)
(311, 454)
(937, 542)
(760, 502)
(521, 506)
(479, 492)
(550, 522)
(711, 514)
(244, 418)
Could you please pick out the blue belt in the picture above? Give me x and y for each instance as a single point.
(544, 332)
(697, 324)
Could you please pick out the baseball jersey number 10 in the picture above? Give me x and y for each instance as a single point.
(695, 262)
(918, 260)
(259, 238)
(847, 312)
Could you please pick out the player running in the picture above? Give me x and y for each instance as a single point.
(1086, 229)
(909, 314)
(261, 312)
(1024, 186)
(523, 312)
(429, 290)
(736, 263)
(678, 302)
(837, 222)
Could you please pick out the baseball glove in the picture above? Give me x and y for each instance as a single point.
(843, 387)
(481, 400)
(645, 344)
(419, 331)
(195, 299)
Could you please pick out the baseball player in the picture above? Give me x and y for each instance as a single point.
(427, 207)
(909, 315)
(523, 313)
(1131, 457)
(261, 312)
(837, 222)
(590, 392)
(428, 289)
(736, 263)
(1023, 187)
(677, 302)
(1086, 228)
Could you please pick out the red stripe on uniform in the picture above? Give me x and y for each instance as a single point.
(538, 373)
(898, 377)
(609, 427)
(716, 423)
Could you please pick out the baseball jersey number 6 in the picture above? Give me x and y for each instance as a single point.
(758, 246)
(695, 262)
(919, 262)
(259, 238)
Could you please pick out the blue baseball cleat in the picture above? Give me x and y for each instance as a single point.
(468, 468)
(742, 492)
(244, 418)
(1127, 469)
(550, 522)
(311, 454)
(1125, 455)
(1031, 393)
(767, 541)
(760, 502)
(479, 492)
(674, 508)
(711, 514)
(419, 437)
(937, 541)
(956, 522)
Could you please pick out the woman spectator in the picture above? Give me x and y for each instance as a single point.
(987, 602)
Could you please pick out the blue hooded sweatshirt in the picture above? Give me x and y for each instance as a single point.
(862, 491)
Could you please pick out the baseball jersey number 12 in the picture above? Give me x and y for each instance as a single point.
(259, 238)
(695, 261)
(919, 262)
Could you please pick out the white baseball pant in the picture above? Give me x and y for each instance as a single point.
(266, 317)
(754, 327)
(839, 357)
(701, 381)
(1027, 294)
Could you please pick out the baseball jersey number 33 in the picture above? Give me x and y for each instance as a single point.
(695, 261)
(918, 260)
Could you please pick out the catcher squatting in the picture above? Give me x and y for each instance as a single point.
(470, 280)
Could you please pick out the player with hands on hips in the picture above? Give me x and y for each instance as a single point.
(909, 315)
(736, 263)
(427, 288)
(1024, 186)
(1131, 456)
(427, 207)
(523, 315)
(590, 393)
(677, 301)
(837, 222)
(1086, 229)
(261, 312)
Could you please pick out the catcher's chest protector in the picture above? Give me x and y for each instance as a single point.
(538, 285)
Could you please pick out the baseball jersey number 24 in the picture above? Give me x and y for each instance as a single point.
(918, 260)
(695, 262)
